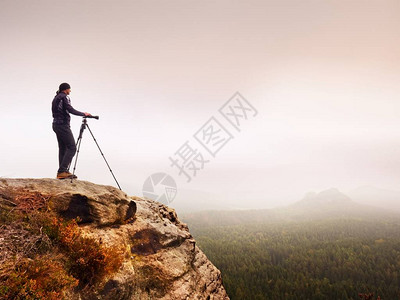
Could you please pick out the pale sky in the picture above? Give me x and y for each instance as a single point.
(323, 76)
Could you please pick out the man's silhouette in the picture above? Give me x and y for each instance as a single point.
(61, 107)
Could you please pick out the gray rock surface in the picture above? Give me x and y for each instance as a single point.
(98, 204)
(161, 259)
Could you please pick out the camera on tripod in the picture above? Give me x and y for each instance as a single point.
(79, 141)
(91, 117)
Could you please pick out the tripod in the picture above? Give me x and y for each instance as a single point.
(78, 144)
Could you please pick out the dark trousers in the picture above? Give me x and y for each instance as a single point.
(66, 146)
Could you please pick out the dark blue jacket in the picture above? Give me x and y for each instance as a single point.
(61, 107)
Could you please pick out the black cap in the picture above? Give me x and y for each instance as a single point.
(64, 86)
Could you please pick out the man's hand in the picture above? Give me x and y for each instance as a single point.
(87, 114)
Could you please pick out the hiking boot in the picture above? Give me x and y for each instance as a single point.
(64, 175)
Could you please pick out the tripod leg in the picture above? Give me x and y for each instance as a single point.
(78, 143)
(103, 156)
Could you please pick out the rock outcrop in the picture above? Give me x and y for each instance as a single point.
(161, 259)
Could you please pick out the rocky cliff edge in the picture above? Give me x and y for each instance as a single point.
(157, 256)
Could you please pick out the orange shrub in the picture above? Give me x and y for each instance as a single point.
(42, 278)
(88, 260)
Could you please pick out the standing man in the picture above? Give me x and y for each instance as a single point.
(61, 107)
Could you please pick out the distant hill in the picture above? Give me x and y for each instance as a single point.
(331, 198)
(330, 204)
(327, 204)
